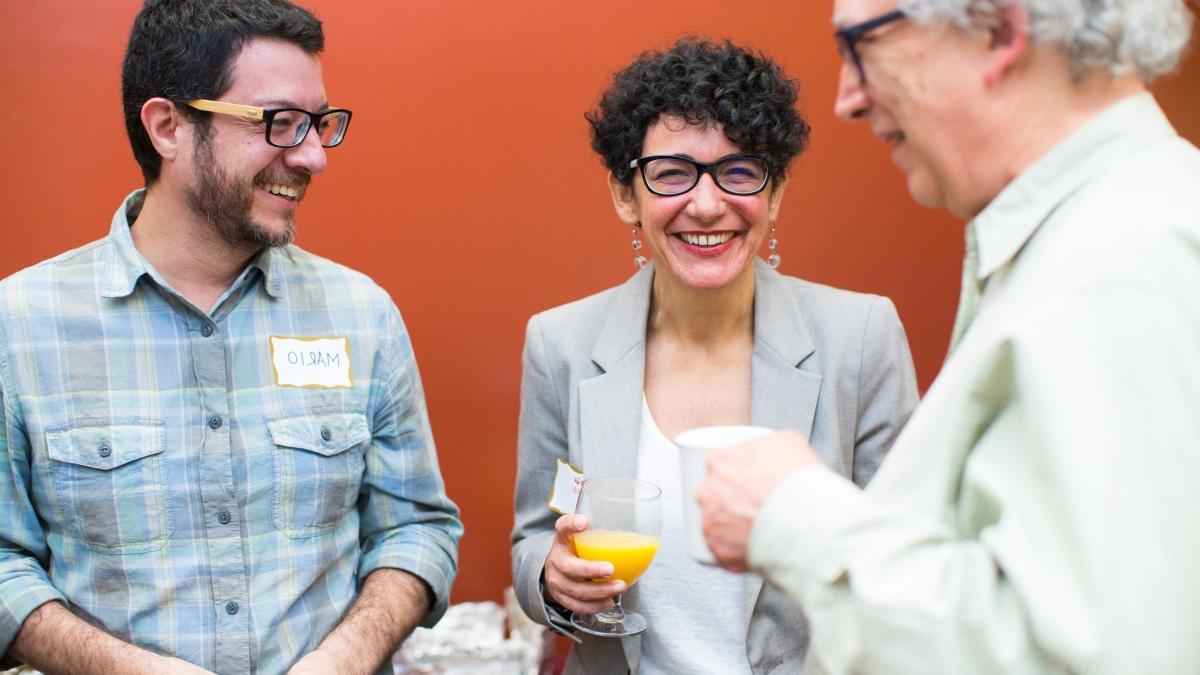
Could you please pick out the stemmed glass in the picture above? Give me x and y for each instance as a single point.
(624, 523)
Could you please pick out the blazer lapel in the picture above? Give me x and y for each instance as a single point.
(782, 396)
(610, 403)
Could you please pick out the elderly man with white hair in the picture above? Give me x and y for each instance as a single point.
(1039, 513)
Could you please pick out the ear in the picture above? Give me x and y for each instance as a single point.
(774, 199)
(162, 122)
(1009, 41)
(624, 200)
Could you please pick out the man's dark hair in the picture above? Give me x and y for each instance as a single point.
(185, 49)
(700, 81)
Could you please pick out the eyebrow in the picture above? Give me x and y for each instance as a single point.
(286, 103)
(840, 21)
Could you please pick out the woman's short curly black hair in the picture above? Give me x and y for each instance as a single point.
(701, 81)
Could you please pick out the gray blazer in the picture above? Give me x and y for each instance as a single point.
(830, 363)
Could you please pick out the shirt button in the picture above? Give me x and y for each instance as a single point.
(326, 434)
(214, 422)
(104, 450)
(223, 517)
(206, 330)
(231, 608)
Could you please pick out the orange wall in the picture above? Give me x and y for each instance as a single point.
(467, 188)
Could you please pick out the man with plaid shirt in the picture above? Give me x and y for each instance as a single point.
(215, 445)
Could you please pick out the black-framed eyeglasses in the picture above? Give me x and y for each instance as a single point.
(670, 175)
(285, 127)
(848, 38)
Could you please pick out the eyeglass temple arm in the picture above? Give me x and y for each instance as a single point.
(246, 111)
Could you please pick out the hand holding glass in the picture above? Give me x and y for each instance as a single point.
(624, 521)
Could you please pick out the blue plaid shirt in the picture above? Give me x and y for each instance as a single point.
(158, 480)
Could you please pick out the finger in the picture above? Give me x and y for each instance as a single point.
(579, 589)
(573, 566)
(562, 563)
(588, 591)
(584, 596)
(586, 607)
(569, 524)
(729, 560)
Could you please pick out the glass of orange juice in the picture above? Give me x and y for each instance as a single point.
(624, 522)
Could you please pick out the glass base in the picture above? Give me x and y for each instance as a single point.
(612, 623)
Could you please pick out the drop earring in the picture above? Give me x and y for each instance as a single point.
(772, 244)
(639, 261)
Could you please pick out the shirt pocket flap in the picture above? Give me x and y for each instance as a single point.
(105, 444)
(323, 433)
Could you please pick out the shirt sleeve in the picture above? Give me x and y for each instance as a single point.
(24, 584)
(887, 388)
(407, 520)
(1066, 541)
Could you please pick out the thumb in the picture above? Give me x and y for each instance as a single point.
(569, 524)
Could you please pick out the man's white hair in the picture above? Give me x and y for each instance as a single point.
(1119, 36)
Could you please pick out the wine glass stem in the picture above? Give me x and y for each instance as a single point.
(614, 614)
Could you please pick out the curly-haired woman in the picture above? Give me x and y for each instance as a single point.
(697, 140)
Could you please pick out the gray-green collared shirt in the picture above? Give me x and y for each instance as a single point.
(1040, 512)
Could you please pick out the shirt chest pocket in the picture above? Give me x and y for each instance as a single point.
(108, 482)
(319, 465)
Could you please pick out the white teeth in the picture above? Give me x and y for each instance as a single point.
(706, 239)
(282, 190)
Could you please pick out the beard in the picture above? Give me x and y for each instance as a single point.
(225, 201)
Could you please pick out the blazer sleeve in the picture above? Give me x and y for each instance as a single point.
(541, 440)
(887, 388)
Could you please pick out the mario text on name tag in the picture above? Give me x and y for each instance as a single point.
(311, 362)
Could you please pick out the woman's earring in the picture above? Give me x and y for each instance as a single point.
(639, 260)
(772, 244)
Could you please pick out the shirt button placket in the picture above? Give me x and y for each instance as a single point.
(218, 493)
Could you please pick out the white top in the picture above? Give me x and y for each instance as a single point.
(1040, 512)
(696, 612)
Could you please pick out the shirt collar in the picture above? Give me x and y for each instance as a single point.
(125, 265)
(270, 261)
(1008, 222)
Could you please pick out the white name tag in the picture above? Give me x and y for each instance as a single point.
(565, 493)
(311, 362)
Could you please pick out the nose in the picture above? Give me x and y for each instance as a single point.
(852, 100)
(308, 156)
(707, 201)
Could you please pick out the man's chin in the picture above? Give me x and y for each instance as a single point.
(258, 234)
(923, 193)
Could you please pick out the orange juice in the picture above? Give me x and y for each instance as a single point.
(629, 552)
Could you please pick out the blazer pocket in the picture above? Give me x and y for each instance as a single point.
(108, 481)
(319, 465)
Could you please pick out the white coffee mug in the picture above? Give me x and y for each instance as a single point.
(694, 446)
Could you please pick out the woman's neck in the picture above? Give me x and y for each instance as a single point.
(701, 316)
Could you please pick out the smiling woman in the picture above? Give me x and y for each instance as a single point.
(697, 140)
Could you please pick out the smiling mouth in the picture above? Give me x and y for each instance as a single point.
(705, 239)
(892, 137)
(285, 191)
